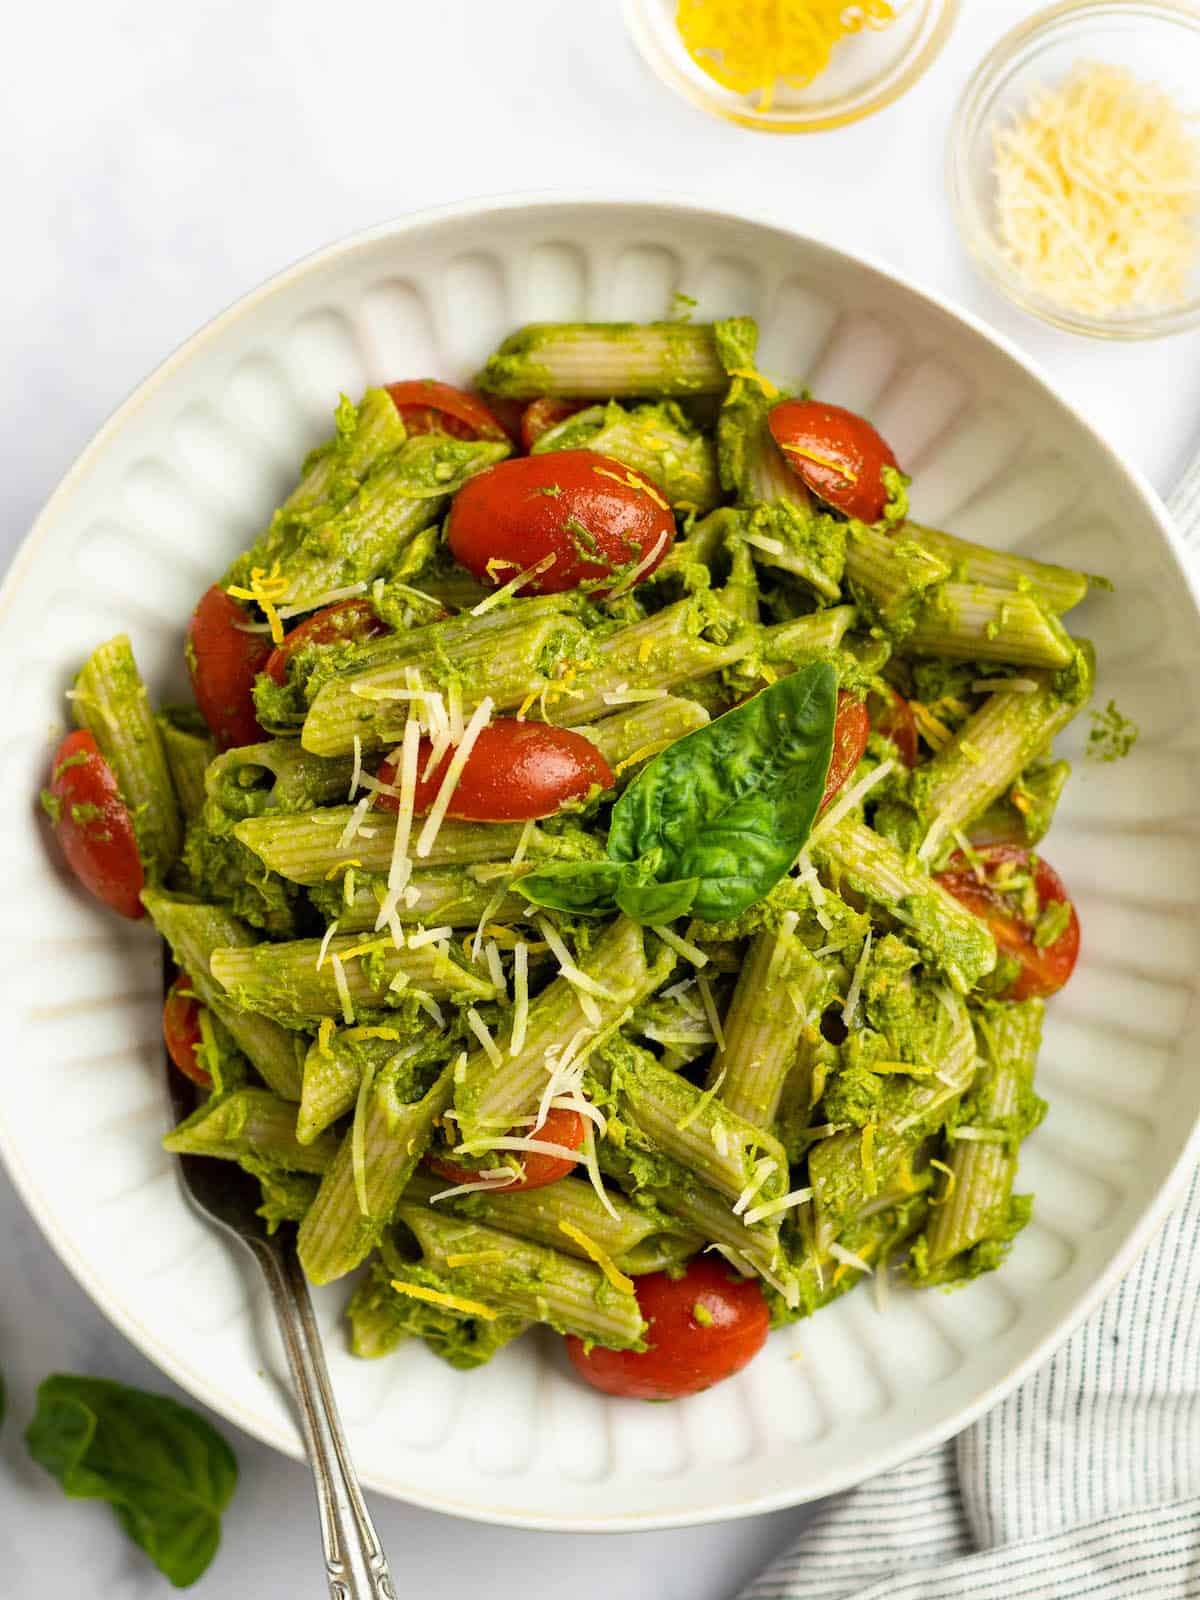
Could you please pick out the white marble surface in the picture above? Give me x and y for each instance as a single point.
(157, 162)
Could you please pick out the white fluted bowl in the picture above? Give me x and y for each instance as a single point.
(183, 477)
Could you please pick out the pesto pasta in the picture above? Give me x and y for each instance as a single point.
(601, 876)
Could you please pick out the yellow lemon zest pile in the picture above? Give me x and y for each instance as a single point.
(755, 45)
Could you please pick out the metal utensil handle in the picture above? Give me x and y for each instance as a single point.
(355, 1564)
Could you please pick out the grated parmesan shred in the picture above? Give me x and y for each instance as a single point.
(520, 1020)
(681, 947)
(437, 813)
(343, 990)
(325, 938)
(1096, 189)
(708, 1000)
(856, 982)
(483, 1033)
(853, 797)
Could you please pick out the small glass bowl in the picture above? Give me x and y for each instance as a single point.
(868, 71)
(1158, 41)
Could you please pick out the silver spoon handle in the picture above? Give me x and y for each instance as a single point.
(356, 1567)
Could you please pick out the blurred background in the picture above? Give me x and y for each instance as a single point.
(159, 161)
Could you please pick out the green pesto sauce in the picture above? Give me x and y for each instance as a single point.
(1112, 736)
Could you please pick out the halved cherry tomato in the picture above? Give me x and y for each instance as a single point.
(562, 1126)
(223, 661)
(836, 453)
(582, 513)
(181, 1030)
(428, 406)
(355, 620)
(997, 900)
(516, 772)
(892, 717)
(701, 1329)
(544, 413)
(850, 732)
(94, 826)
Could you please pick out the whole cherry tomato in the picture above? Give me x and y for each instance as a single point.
(544, 413)
(584, 515)
(428, 406)
(516, 772)
(701, 1328)
(223, 661)
(562, 1126)
(1012, 894)
(93, 825)
(354, 620)
(181, 1030)
(850, 732)
(892, 717)
(835, 453)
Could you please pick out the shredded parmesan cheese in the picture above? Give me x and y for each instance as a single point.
(343, 990)
(708, 1000)
(848, 1259)
(644, 565)
(400, 866)
(433, 822)
(520, 1019)
(425, 936)
(325, 938)
(496, 968)
(593, 1171)
(763, 1168)
(494, 1178)
(510, 588)
(357, 818)
(856, 983)
(702, 1101)
(681, 947)
(853, 797)
(764, 542)
(772, 1207)
(600, 1256)
(482, 1032)
(1096, 193)
(320, 601)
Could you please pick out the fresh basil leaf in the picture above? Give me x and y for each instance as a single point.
(581, 888)
(657, 902)
(732, 804)
(167, 1474)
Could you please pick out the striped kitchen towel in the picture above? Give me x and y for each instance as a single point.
(1084, 1482)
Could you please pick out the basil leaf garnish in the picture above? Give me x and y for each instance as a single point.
(732, 804)
(712, 824)
(580, 888)
(167, 1474)
(657, 902)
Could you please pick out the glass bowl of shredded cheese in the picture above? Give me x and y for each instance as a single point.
(1074, 166)
(790, 66)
